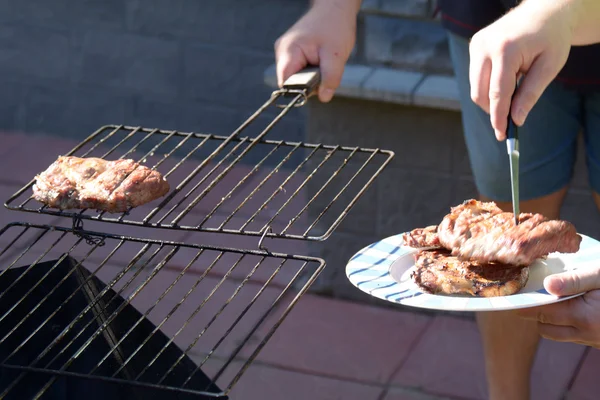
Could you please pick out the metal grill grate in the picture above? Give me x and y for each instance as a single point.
(146, 314)
(234, 184)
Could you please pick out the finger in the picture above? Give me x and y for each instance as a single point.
(480, 69)
(566, 313)
(332, 69)
(290, 59)
(502, 86)
(537, 79)
(573, 282)
(560, 333)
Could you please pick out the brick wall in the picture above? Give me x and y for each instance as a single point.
(68, 67)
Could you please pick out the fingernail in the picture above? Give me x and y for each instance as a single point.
(326, 94)
(521, 116)
(554, 285)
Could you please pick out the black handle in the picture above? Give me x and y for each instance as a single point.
(511, 128)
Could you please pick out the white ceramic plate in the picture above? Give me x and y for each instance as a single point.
(383, 270)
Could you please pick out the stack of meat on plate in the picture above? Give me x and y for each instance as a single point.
(478, 250)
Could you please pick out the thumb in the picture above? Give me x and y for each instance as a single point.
(290, 59)
(536, 80)
(332, 68)
(573, 282)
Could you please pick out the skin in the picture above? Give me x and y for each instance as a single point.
(531, 43)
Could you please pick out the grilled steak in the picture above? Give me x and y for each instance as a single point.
(422, 237)
(439, 272)
(482, 232)
(112, 186)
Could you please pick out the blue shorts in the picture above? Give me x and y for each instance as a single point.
(547, 140)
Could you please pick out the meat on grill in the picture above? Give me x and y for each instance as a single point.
(482, 232)
(439, 272)
(112, 186)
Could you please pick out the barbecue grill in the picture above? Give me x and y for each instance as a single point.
(79, 314)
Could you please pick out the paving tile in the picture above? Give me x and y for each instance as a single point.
(587, 383)
(438, 92)
(269, 382)
(344, 339)
(449, 361)
(391, 85)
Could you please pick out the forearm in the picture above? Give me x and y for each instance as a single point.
(583, 17)
(350, 6)
(586, 18)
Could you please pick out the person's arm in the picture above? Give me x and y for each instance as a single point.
(352, 6)
(324, 36)
(534, 40)
(584, 18)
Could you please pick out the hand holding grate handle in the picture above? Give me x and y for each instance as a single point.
(307, 79)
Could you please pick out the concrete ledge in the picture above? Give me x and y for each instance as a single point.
(392, 86)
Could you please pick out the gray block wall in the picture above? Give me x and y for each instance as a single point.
(68, 67)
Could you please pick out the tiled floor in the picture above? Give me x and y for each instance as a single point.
(325, 349)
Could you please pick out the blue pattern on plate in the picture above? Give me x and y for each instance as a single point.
(369, 270)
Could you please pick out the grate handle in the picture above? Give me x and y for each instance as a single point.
(306, 80)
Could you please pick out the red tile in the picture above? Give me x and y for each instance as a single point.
(269, 382)
(587, 382)
(343, 339)
(555, 365)
(449, 361)
(33, 154)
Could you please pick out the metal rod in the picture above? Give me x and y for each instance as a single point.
(337, 196)
(321, 189)
(242, 314)
(325, 159)
(196, 186)
(209, 324)
(143, 317)
(183, 183)
(283, 112)
(108, 320)
(173, 310)
(188, 320)
(260, 185)
(99, 142)
(240, 183)
(279, 189)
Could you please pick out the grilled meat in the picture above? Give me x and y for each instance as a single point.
(482, 232)
(112, 186)
(422, 237)
(439, 272)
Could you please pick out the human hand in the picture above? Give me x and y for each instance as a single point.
(576, 320)
(534, 40)
(323, 37)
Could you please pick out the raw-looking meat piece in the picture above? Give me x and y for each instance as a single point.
(482, 232)
(439, 272)
(422, 237)
(112, 186)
